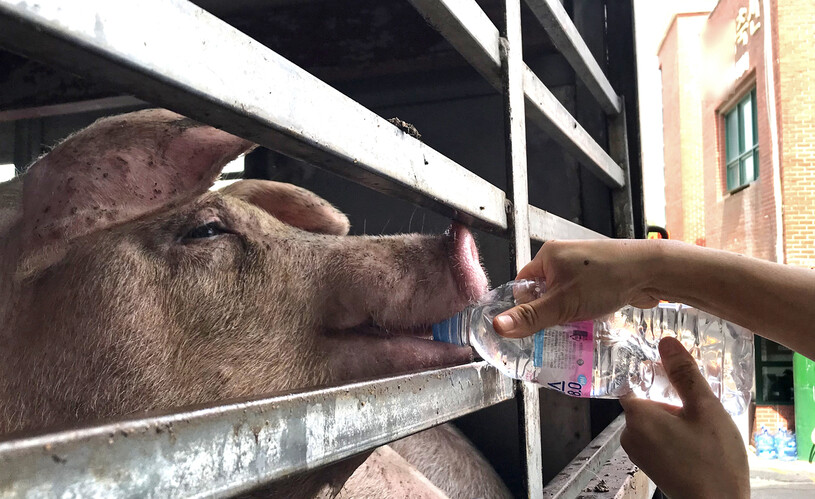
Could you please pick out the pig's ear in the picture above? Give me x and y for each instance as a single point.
(114, 171)
(292, 205)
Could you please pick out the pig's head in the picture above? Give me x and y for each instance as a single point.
(127, 286)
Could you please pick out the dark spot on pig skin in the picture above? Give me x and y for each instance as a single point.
(585, 262)
(186, 123)
(47, 209)
(73, 210)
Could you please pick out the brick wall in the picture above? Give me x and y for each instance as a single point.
(772, 416)
(668, 63)
(679, 61)
(699, 86)
(743, 221)
(796, 104)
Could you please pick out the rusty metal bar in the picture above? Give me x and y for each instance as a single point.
(564, 34)
(469, 30)
(618, 478)
(232, 448)
(585, 466)
(174, 54)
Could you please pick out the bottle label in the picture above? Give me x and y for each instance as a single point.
(564, 356)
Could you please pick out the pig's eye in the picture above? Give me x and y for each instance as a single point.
(211, 229)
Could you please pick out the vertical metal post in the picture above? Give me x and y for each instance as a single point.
(512, 66)
(621, 198)
(27, 143)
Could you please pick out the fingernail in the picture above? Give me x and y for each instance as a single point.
(504, 323)
(670, 346)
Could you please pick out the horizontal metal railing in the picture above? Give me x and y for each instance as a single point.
(564, 35)
(470, 31)
(173, 54)
(586, 465)
(544, 226)
(231, 448)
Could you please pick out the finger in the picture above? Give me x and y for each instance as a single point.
(528, 318)
(533, 269)
(636, 408)
(645, 423)
(683, 372)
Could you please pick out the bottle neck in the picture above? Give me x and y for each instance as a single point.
(453, 330)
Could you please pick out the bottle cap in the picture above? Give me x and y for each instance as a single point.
(449, 331)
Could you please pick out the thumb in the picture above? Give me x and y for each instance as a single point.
(683, 372)
(528, 318)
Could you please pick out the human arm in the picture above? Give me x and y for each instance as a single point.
(693, 451)
(587, 279)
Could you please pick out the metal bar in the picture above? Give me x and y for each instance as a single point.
(622, 72)
(102, 104)
(469, 30)
(544, 226)
(512, 65)
(563, 33)
(550, 115)
(585, 466)
(621, 198)
(620, 479)
(232, 448)
(174, 54)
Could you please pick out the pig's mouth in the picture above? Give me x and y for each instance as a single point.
(407, 345)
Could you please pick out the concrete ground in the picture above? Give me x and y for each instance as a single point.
(773, 479)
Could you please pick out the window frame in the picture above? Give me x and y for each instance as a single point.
(738, 162)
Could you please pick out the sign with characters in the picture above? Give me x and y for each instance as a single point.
(747, 22)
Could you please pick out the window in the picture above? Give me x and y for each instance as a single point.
(773, 373)
(741, 143)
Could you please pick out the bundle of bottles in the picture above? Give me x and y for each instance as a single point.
(780, 446)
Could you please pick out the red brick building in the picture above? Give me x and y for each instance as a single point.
(739, 129)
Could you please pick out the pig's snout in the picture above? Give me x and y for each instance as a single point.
(391, 289)
(406, 281)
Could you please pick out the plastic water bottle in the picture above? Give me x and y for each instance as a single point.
(765, 444)
(608, 357)
(786, 448)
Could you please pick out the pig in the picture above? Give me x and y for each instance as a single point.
(128, 286)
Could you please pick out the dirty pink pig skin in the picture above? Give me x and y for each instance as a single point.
(128, 286)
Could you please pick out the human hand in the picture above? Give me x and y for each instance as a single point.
(690, 451)
(584, 280)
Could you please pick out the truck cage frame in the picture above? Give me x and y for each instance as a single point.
(225, 449)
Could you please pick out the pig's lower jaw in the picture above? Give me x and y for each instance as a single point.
(368, 351)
